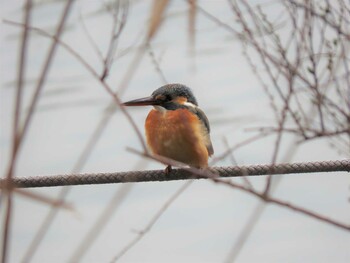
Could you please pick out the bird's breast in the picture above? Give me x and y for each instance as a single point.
(177, 134)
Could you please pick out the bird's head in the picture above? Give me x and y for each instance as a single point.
(169, 97)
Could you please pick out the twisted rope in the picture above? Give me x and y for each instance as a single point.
(177, 174)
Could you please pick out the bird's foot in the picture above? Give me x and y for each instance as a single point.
(168, 169)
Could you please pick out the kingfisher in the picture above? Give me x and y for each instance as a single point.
(176, 127)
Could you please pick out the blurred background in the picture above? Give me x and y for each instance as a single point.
(273, 79)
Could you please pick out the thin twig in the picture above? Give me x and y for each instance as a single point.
(21, 134)
(213, 175)
(114, 204)
(151, 223)
(15, 132)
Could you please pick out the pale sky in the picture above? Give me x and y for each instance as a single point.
(203, 224)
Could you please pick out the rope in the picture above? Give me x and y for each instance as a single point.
(177, 174)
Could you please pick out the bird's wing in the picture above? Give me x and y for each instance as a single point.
(203, 118)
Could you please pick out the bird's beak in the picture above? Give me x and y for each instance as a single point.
(142, 102)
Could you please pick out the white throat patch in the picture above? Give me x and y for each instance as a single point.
(189, 104)
(160, 108)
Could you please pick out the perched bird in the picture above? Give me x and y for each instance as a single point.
(177, 128)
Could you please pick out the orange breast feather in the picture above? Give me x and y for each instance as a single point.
(179, 135)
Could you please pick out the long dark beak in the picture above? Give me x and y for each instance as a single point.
(141, 102)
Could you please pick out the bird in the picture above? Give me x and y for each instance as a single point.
(176, 127)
